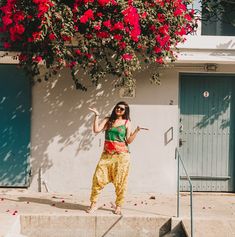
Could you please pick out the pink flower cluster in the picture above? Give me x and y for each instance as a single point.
(151, 29)
(43, 6)
(131, 18)
(88, 15)
(126, 24)
(12, 22)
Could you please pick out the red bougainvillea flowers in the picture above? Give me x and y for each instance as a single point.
(100, 36)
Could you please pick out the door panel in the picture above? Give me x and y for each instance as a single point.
(15, 107)
(206, 114)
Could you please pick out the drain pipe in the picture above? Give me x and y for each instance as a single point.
(41, 182)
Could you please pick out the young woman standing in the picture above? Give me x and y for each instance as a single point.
(114, 163)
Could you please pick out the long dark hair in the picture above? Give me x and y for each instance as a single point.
(113, 116)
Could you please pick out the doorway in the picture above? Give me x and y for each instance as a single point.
(15, 120)
(207, 131)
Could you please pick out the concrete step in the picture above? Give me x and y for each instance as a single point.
(93, 226)
(216, 227)
(177, 230)
(60, 225)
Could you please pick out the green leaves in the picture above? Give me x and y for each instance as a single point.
(101, 37)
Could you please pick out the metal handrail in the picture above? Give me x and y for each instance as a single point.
(177, 156)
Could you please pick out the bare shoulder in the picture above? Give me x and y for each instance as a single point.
(128, 123)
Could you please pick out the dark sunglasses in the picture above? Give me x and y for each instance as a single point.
(120, 108)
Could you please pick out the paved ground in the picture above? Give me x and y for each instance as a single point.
(214, 213)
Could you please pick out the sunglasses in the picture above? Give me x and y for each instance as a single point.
(120, 108)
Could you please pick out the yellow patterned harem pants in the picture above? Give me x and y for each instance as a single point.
(112, 168)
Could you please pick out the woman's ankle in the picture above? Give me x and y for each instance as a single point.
(92, 207)
(117, 210)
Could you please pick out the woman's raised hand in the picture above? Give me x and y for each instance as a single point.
(94, 110)
(140, 128)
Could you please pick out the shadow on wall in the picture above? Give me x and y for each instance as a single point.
(224, 49)
(62, 123)
(216, 113)
(60, 116)
(229, 45)
(209, 98)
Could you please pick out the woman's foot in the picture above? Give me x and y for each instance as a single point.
(117, 210)
(92, 208)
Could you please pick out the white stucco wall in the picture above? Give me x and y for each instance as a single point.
(207, 49)
(67, 151)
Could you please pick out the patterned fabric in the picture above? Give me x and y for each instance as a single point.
(115, 140)
(112, 168)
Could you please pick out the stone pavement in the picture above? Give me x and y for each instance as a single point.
(214, 213)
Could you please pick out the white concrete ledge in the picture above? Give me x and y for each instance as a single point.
(208, 42)
(90, 226)
(206, 56)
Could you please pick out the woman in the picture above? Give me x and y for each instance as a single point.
(115, 159)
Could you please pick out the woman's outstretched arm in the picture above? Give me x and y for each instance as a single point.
(98, 127)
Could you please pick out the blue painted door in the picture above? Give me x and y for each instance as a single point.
(207, 112)
(15, 110)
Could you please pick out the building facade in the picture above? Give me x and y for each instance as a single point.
(46, 130)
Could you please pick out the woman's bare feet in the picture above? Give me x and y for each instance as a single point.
(117, 210)
(92, 208)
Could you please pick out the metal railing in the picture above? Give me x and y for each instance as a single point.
(177, 156)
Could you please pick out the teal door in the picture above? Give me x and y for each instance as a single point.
(207, 131)
(15, 107)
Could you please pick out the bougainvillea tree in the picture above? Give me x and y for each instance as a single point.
(98, 37)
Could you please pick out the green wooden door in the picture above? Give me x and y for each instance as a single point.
(207, 131)
(15, 107)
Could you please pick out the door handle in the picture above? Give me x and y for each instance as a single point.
(181, 142)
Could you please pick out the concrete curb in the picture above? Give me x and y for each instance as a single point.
(15, 229)
(93, 226)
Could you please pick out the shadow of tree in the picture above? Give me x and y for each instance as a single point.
(214, 114)
(63, 119)
(224, 49)
(208, 119)
(62, 144)
(49, 202)
(214, 106)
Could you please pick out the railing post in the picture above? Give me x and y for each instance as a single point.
(177, 156)
(191, 207)
(178, 182)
